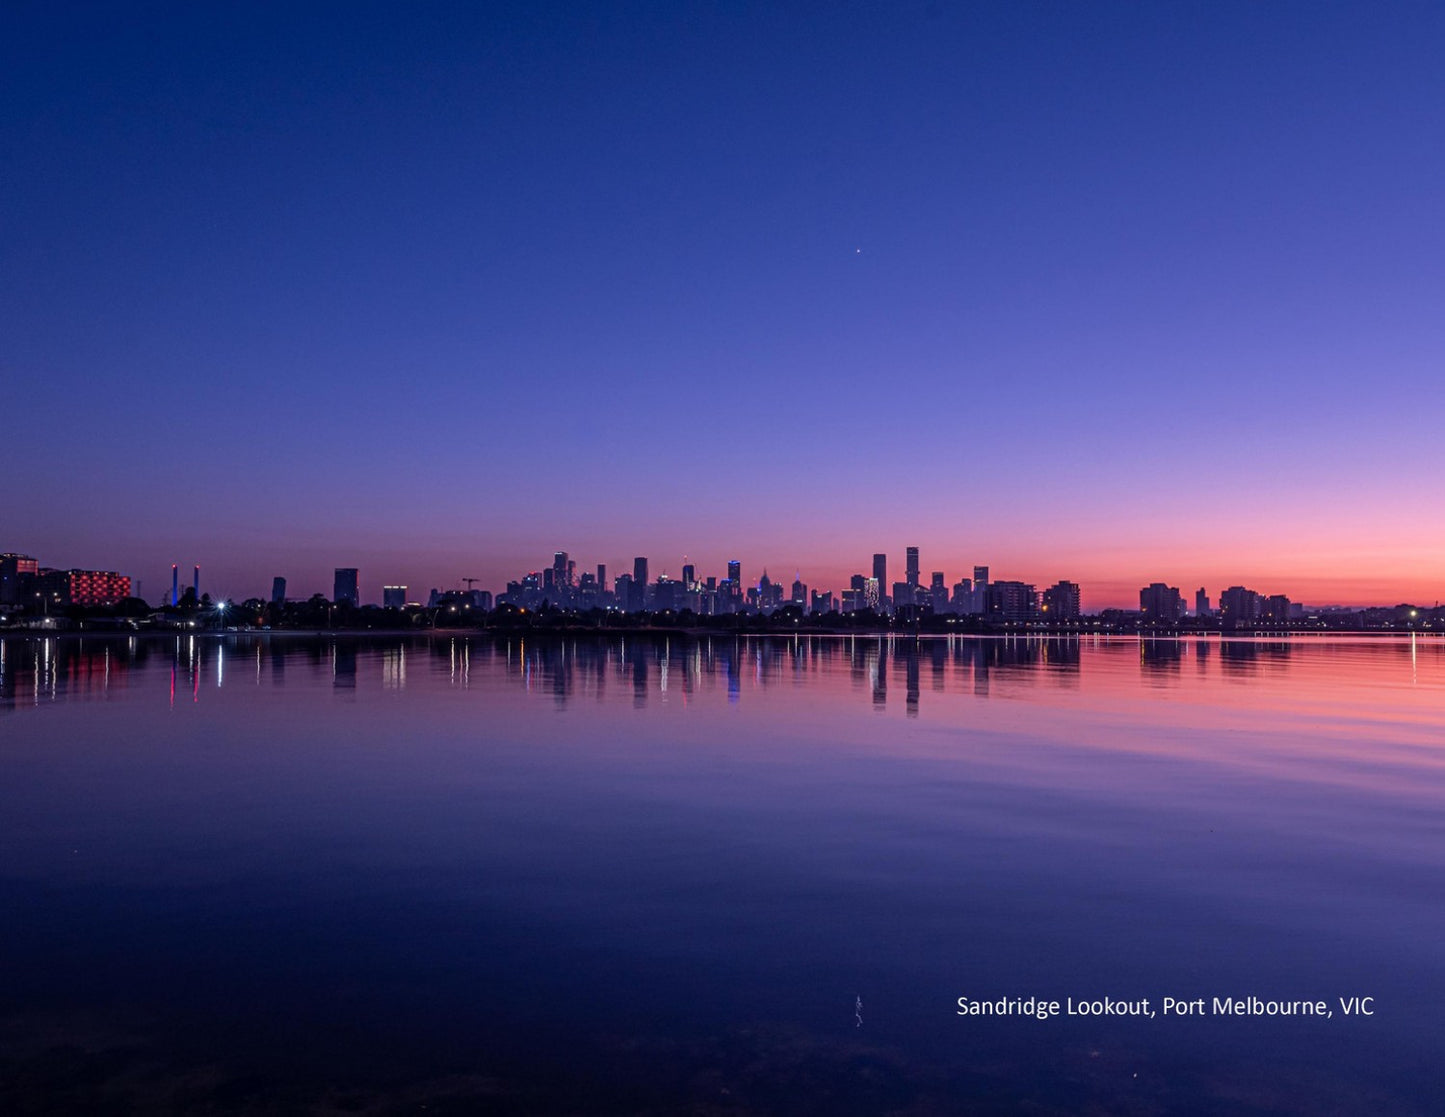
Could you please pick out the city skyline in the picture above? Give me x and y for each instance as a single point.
(1155, 289)
(355, 584)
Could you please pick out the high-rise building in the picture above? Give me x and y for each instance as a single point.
(911, 569)
(1010, 601)
(1238, 605)
(639, 571)
(1161, 604)
(278, 590)
(345, 588)
(880, 569)
(1062, 602)
(393, 597)
(735, 585)
(938, 593)
(1201, 603)
(1275, 608)
(601, 577)
(689, 576)
(15, 574)
(559, 569)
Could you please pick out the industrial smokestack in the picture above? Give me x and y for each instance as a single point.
(196, 583)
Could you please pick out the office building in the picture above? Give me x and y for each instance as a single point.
(1201, 603)
(393, 597)
(278, 590)
(910, 572)
(345, 588)
(938, 593)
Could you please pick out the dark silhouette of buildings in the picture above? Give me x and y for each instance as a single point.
(346, 588)
(1161, 604)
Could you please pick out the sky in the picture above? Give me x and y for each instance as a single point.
(1112, 293)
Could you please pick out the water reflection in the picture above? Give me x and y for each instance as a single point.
(671, 863)
(35, 670)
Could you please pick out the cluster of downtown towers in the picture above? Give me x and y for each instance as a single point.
(562, 586)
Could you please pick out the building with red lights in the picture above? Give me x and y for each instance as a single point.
(83, 587)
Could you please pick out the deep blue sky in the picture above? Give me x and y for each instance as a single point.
(1114, 293)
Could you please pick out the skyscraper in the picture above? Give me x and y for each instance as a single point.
(637, 591)
(938, 593)
(278, 590)
(345, 589)
(880, 575)
(911, 569)
(1201, 603)
(559, 569)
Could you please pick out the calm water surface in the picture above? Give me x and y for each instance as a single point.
(476, 875)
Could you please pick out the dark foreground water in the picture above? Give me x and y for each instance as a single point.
(251, 875)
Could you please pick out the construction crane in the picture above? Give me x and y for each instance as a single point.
(470, 583)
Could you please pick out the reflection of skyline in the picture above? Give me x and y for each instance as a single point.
(882, 670)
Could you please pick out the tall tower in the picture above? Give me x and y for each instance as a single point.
(196, 583)
(175, 584)
(912, 567)
(345, 587)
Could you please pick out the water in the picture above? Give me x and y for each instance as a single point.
(476, 875)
